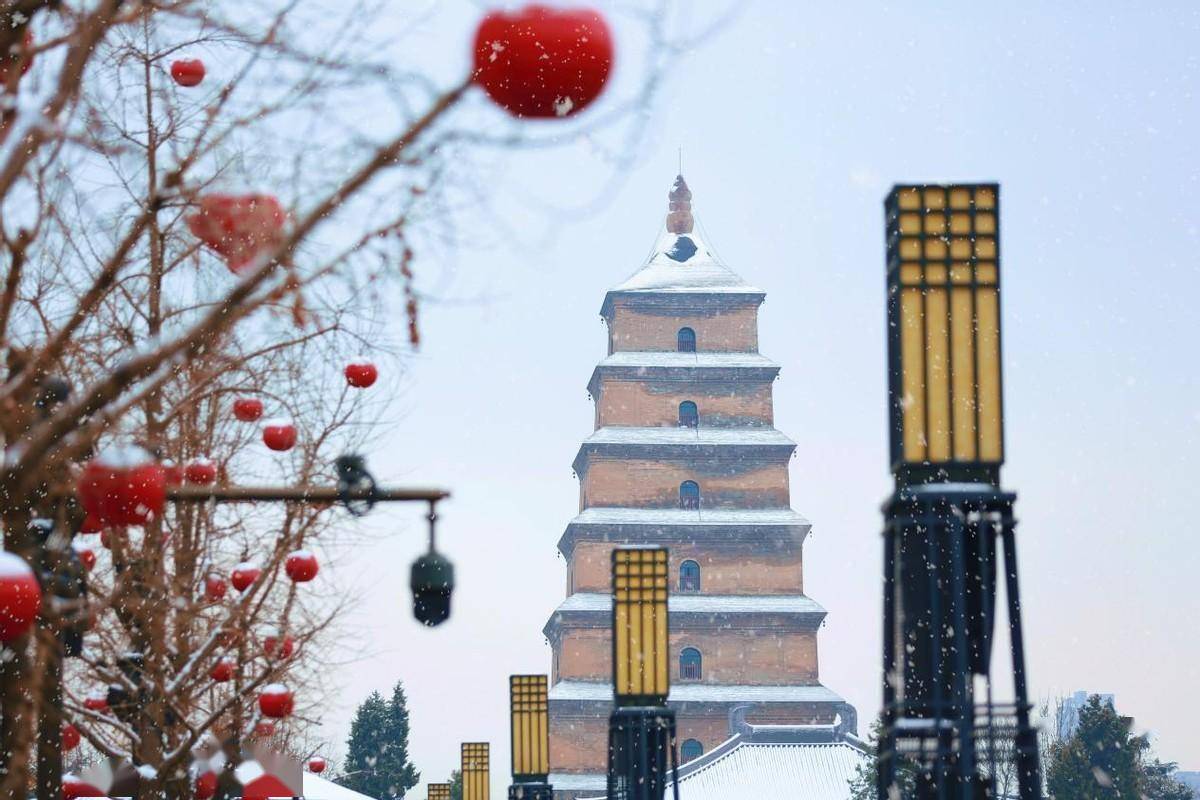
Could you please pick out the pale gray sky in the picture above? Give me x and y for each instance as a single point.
(794, 121)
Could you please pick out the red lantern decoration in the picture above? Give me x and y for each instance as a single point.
(543, 62)
(238, 227)
(279, 434)
(264, 729)
(123, 486)
(70, 737)
(91, 524)
(222, 670)
(87, 556)
(201, 471)
(214, 587)
(244, 575)
(361, 373)
(301, 566)
(20, 596)
(316, 765)
(285, 647)
(276, 701)
(74, 787)
(187, 72)
(247, 409)
(96, 701)
(206, 785)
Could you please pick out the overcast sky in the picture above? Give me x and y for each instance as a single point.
(794, 122)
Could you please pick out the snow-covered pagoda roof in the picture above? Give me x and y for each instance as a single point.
(676, 434)
(682, 262)
(641, 365)
(712, 444)
(768, 528)
(602, 691)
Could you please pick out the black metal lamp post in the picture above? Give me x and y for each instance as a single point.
(641, 729)
(947, 513)
(529, 702)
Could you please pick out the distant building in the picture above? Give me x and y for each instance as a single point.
(685, 454)
(1068, 713)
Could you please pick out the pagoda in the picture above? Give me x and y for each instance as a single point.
(685, 455)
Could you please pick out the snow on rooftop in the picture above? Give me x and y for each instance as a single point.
(706, 604)
(13, 566)
(704, 693)
(776, 771)
(684, 262)
(684, 516)
(683, 435)
(643, 358)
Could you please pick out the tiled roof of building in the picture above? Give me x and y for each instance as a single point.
(704, 693)
(688, 516)
(684, 262)
(647, 358)
(709, 444)
(706, 603)
(769, 528)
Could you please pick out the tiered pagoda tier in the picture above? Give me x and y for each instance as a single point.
(685, 455)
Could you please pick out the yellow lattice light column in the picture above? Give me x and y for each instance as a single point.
(943, 252)
(438, 791)
(530, 734)
(641, 658)
(476, 771)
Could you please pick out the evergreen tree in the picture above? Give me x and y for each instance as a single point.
(377, 760)
(862, 785)
(456, 785)
(1103, 760)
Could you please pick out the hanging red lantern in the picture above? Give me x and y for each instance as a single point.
(222, 671)
(247, 409)
(96, 701)
(206, 785)
(187, 72)
(123, 486)
(301, 566)
(272, 642)
(201, 472)
(316, 765)
(244, 575)
(91, 524)
(214, 587)
(361, 373)
(276, 701)
(74, 787)
(543, 62)
(279, 434)
(264, 729)
(238, 227)
(20, 596)
(70, 737)
(87, 556)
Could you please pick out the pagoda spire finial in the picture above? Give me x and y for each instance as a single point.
(679, 210)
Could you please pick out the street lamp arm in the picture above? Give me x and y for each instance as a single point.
(301, 494)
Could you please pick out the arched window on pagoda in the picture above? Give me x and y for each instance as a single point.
(689, 664)
(689, 415)
(689, 495)
(689, 577)
(690, 750)
(686, 340)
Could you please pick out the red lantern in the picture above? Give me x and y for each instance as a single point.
(316, 765)
(206, 785)
(247, 409)
(74, 787)
(70, 737)
(201, 471)
(543, 62)
(286, 647)
(244, 575)
(187, 72)
(96, 701)
(91, 524)
(87, 556)
(279, 434)
(238, 227)
(214, 587)
(276, 701)
(361, 373)
(222, 671)
(123, 486)
(301, 566)
(20, 596)
(264, 729)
